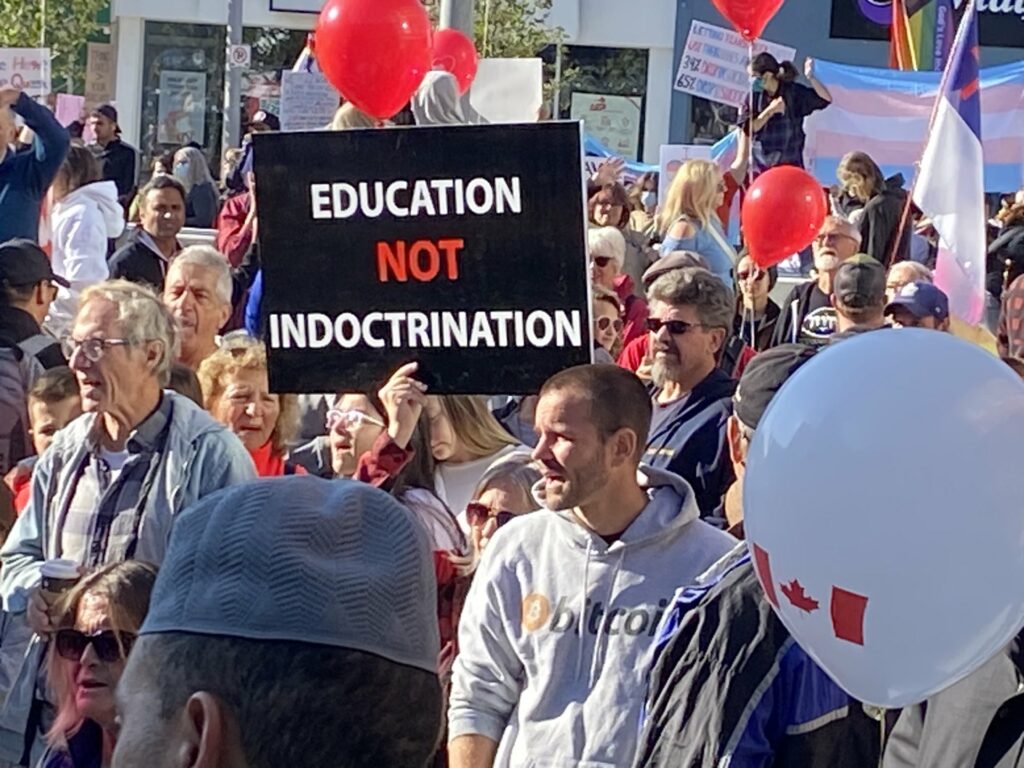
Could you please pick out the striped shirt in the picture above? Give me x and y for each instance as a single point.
(101, 522)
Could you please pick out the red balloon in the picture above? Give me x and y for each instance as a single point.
(782, 213)
(454, 52)
(748, 17)
(375, 52)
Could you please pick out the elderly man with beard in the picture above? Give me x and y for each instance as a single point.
(197, 292)
(691, 316)
(564, 606)
(808, 316)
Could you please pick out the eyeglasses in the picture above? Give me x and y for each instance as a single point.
(604, 323)
(110, 646)
(350, 420)
(478, 514)
(675, 327)
(833, 237)
(601, 261)
(93, 349)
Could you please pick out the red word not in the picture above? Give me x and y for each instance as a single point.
(421, 259)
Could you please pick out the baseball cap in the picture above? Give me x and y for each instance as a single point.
(670, 262)
(22, 263)
(922, 300)
(764, 377)
(266, 118)
(326, 562)
(108, 111)
(860, 282)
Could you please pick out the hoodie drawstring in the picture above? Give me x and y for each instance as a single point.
(606, 624)
(582, 614)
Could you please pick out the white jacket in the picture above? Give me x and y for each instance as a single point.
(82, 222)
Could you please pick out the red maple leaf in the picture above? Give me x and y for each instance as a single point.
(794, 592)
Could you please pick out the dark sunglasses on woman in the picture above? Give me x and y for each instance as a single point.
(110, 646)
(478, 514)
(603, 324)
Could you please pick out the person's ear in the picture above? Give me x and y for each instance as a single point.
(226, 311)
(204, 739)
(717, 340)
(737, 445)
(624, 444)
(154, 351)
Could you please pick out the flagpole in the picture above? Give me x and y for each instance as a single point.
(961, 31)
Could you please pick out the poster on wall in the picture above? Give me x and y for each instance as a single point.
(614, 120)
(308, 101)
(1000, 22)
(714, 63)
(181, 113)
(27, 69)
(428, 244)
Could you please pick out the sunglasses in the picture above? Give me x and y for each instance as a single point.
(675, 327)
(349, 420)
(110, 646)
(604, 323)
(478, 514)
(601, 261)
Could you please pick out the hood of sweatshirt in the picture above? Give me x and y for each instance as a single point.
(101, 197)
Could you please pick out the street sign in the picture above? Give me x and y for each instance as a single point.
(240, 56)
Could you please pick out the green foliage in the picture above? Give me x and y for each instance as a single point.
(509, 29)
(69, 24)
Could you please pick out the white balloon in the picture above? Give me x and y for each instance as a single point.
(882, 494)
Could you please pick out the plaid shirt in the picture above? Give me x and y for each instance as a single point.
(1011, 320)
(102, 519)
(781, 140)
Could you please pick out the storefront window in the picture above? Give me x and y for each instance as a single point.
(183, 86)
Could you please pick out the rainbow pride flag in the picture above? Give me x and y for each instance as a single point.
(922, 34)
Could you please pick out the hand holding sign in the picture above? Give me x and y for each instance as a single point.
(375, 52)
(403, 398)
(898, 565)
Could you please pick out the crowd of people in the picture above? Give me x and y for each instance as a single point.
(396, 577)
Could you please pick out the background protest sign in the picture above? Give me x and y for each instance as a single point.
(308, 101)
(461, 247)
(27, 69)
(714, 64)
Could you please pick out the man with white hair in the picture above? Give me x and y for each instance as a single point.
(197, 292)
(114, 480)
(607, 248)
(807, 313)
(26, 176)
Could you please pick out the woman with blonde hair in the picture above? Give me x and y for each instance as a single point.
(236, 392)
(99, 619)
(191, 170)
(465, 440)
(688, 220)
(882, 204)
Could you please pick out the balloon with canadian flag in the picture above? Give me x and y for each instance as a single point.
(883, 512)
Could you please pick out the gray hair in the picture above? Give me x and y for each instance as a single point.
(912, 271)
(517, 471)
(198, 170)
(208, 257)
(698, 288)
(142, 317)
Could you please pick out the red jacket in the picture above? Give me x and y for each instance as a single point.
(634, 310)
(233, 237)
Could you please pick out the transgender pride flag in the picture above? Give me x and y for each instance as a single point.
(950, 188)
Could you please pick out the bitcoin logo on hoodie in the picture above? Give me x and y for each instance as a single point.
(536, 612)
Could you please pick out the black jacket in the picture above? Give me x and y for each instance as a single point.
(139, 263)
(690, 440)
(119, 164)
(977, 723)
(17, 325)
(881, 223)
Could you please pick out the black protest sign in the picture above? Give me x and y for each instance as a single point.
(460, 247)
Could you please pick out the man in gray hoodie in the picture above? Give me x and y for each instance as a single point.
(564, 605)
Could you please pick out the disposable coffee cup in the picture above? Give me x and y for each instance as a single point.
(59, 576)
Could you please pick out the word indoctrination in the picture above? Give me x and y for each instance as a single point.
(460, 247)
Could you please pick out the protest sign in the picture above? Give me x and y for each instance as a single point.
(99, 74)
(181, 113)
(714, 63)
(461, 247)
(507, 91)
(614, 120)
(69, 108)
(308, 101)
(27, 69)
